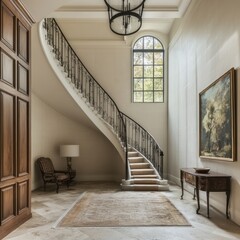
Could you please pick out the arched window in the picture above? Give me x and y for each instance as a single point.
(148, 76)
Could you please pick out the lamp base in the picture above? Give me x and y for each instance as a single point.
(69, 164)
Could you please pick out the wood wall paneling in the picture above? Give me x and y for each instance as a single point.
(22, 138)
(7, 27)
(15, 192)
(23, 42)
(23, 199)
(22, 79)
(7, 127)
(7, 69)
(7, 204)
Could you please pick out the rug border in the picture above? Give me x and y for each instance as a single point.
(54, 226)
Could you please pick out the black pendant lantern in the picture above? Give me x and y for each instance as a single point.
(125, 16)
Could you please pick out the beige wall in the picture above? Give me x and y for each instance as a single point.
(204, 47)
(98, 159)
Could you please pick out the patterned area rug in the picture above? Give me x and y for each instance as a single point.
(122, 209)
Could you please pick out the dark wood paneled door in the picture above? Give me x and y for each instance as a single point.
(15, 198)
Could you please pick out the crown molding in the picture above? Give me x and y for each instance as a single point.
(26, 14)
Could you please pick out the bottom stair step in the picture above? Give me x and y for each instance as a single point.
(147, 181)
(145, 187)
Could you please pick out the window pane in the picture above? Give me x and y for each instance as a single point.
(157, 44)
(138, 58)
(158, 96)
(148, 96)
(148, 58)
(148, 84)
(138, 84)
(148, 42)
(138, 71)
(158, 84)
(139, 44)
(158, 58)
(138, 97)
(148, 71)
(158, 71)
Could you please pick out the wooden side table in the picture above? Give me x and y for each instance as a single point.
(210, 182)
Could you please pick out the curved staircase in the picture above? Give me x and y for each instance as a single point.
(142, 155)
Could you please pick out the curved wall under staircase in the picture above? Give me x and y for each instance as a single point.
(57, 119)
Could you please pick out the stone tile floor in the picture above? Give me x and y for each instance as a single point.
(48, 207)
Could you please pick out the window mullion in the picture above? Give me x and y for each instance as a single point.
(153, 74)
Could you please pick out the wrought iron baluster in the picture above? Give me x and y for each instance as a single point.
(73, 69)
(161, 164)
(61, 59)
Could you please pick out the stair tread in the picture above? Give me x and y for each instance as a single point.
(140, 163)
(131, 152)
(145, 185)
(142, 170)
(154, 176)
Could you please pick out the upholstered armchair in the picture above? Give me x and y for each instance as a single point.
(50, 175)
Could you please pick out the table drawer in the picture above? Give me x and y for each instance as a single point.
(189, 178)
(214, 184)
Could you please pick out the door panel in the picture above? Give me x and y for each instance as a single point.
(8, 27)
(22, 138)
(23, 82)
(7, 204)
(23, 36)
(23, 199)
(7, 69)
(7, 136)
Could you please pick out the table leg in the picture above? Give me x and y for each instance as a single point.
(208, 204)
(194, 194)
(227, 204)
(182, 185)
(197, 193)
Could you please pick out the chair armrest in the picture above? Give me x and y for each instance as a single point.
(61, 171)
(48, 176)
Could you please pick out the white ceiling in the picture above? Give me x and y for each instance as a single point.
(158, 15)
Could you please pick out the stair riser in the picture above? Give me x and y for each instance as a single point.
(145, 181)
(145, 176)
(133, 154)
(142, 172)
(139, 166)
(136, 160)
(145, 188)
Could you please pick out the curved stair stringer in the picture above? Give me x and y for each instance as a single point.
(93, 116)
(143, 176)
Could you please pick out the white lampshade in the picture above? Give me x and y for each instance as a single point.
(69, 150)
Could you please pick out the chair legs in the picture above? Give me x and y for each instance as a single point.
(57, 187)
(59, 183)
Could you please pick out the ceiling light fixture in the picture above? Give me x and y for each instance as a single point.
(125, 16)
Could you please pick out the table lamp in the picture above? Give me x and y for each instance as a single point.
(69, 151)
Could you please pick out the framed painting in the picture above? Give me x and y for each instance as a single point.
(217, 123)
